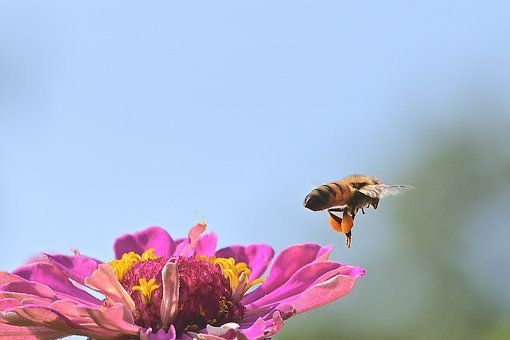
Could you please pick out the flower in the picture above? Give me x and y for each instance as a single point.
(161, 288)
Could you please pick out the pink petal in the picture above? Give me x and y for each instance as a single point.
(323, 293)
(80, 314)
(179, 244)
(12, 293)
(302, 279)
(27, 287)
(324, 252)
(264, 329)
(193, 238)
(50, 276)
(76, 267)
(256, 256)
(206, 245)
(305, 278)
(6, 277)
(170, 298)
(28, 333)
(195, 232)
(17, 296)
(255, 331)
(36, 302)
(275, 325)
(160, 335)
(201, 336)
(115, 318)
(72, 310)
(222, 330)
(153, 237)
(103, 280)
(285, 265)
(36, 316)
(8, 303)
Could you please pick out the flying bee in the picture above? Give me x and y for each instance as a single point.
(347, 196)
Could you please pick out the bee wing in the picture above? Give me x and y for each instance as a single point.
(383, 190)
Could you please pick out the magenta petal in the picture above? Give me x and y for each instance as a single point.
(256, 256)
(179, 245)
(255, 331)
(312, 286)
(275, 324)
(160, 335)
(285, 265)
(76, 267)
(50, 276)
(28, 333)
(323, 253)
(264, 329)
(206, 245)
(322, 293)
(34, 288)
(352, 271)
(153, 237)
(302, 279)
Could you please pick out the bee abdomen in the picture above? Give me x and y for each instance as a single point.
(321, 198)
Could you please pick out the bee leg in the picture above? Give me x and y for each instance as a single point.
(363, 211)
(348, 239)
(347, 224)
(335, 222)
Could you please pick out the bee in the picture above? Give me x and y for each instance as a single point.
(348, 196)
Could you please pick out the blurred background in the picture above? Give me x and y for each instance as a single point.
(115, 116)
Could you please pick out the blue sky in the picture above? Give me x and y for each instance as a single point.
(118, 116)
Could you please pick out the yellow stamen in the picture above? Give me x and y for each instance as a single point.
(146, 288)
(233, 272)
(122, 265)
(149, 255)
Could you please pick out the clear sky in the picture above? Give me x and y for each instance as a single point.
(118, 115)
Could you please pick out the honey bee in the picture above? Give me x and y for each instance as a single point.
(347, 196)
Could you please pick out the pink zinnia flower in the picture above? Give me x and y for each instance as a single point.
(161, 288)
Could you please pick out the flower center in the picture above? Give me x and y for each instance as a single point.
(210, 289)
(237, 274)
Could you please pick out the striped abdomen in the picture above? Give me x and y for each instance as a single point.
(327, 196)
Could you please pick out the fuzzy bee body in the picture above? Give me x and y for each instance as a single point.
(328, 195)
(348, 196)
